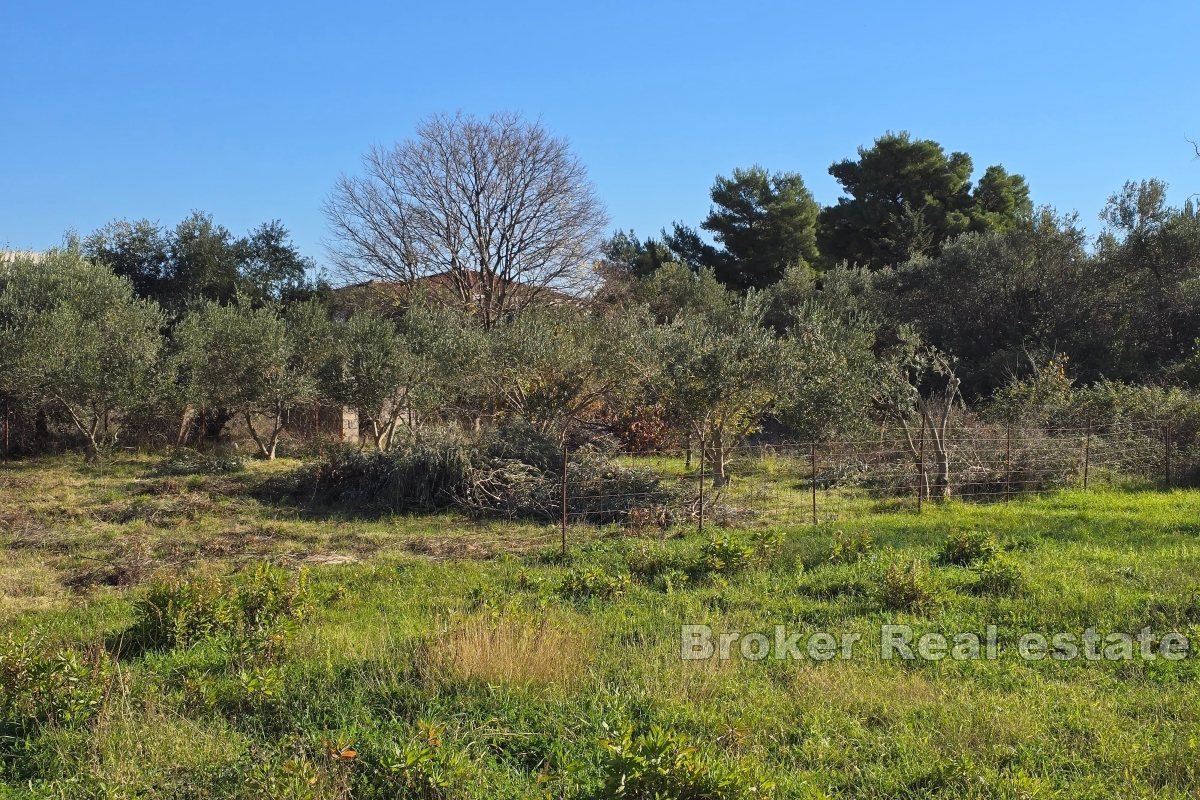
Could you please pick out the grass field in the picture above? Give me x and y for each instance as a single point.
(146, 652)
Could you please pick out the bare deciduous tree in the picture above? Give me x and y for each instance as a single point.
(494, 214)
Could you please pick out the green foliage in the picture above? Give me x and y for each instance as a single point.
(999, 575)
(675, 291)
(75, 340)
(727, 554)
(906, 197)
(764, 223)
(254, 609)
(720, 376)
(589, 583)
(661, 763)
(964, 548)
(422, 766)
(852, 547)
(906, 587)
(256, 362)
(202, 260)
(41, 687)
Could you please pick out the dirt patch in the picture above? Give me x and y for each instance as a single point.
(449, 549)
(328, 559)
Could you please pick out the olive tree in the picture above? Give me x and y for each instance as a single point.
(917, 386)
(558, 368)
(719, 376)
(74, 338)
(254, 362)
(374, 373)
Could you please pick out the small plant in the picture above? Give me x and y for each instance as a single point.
(422, 767)
(767, 543)
(906, 588)
(257, 610)
(999, 576)
(40, 687)
(968, 547)
(849, 548)
(664, 764)
(727, 554)
(583, 584)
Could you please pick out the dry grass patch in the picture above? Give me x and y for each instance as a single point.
(511, 652)
(26, 585)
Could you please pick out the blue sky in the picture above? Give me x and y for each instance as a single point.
(251, 110)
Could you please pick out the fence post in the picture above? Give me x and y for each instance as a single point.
(1008, 459)
(1167, 453)
(564, 498)
(812, 461)
(700, 528)
(1087, 456)
(921, 467)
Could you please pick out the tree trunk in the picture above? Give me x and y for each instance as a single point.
(942, 479)
(265, 448)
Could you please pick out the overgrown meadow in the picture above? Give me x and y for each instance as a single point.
(192, 635)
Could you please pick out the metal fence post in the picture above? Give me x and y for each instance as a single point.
(564, 499)
(921, 467)
(700, 526)
(1087, 456)
(1167, 454)
(1008, 459)
(812, 461)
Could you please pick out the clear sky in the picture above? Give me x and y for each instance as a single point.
(250, 110)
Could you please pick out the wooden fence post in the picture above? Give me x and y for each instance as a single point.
(700, 526)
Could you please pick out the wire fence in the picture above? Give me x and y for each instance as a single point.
(785, 483)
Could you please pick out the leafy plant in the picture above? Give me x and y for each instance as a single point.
(906, 587)
(40, 687)
(851, 547)
(968, 547)
(727, 553)
(999, 576)
(583, 584)
(664, 764)
(255, 610)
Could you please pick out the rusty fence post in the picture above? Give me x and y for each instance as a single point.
(1008, 460)
(564, 499)
(1167, 454)
(812, 462)
(1087, 456)
(921, 467)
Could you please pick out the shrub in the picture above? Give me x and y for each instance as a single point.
(999, 576)
(422, 767)
(38, 687)
(584, 584)
(906, 588)
(253, 609)
(968, 547)
(661, 764)
(849, 548)
(513, 472)
(727, 554)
